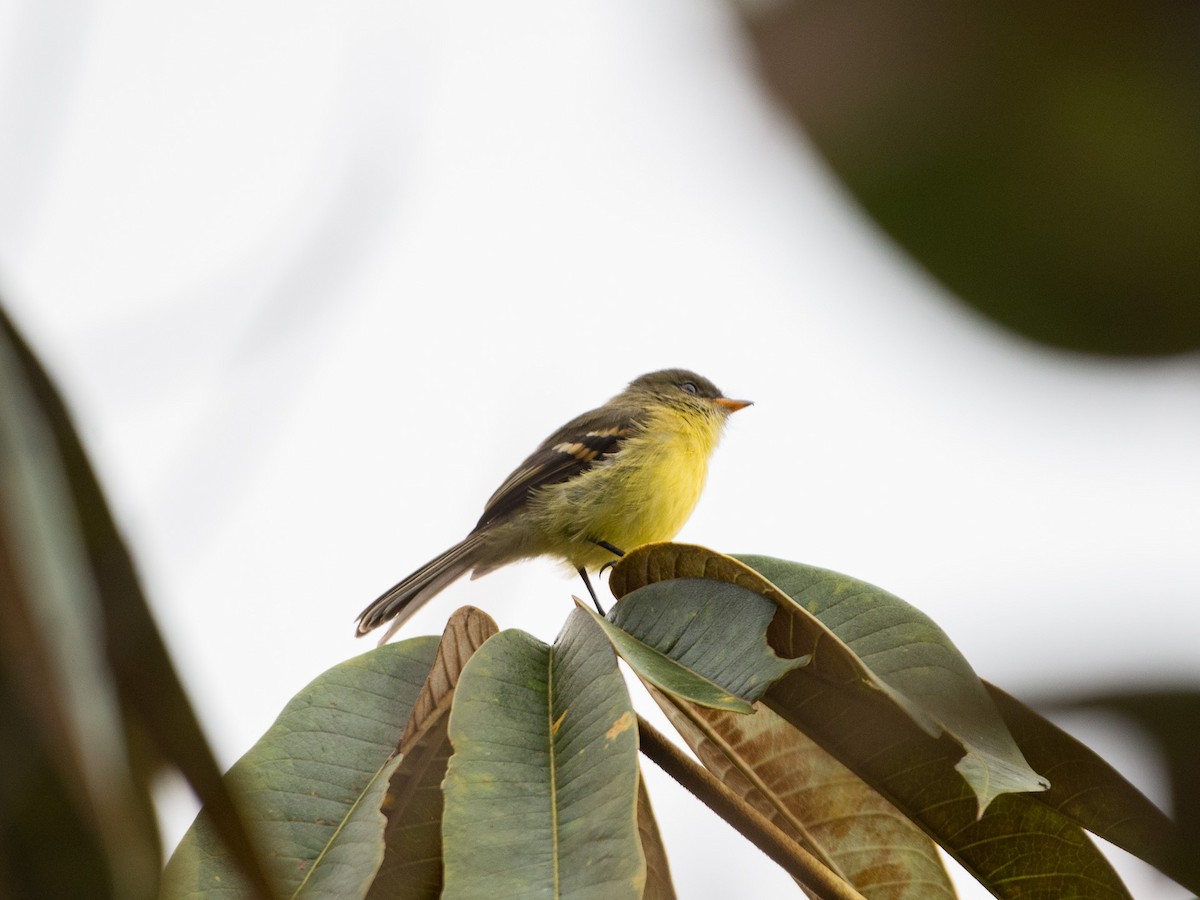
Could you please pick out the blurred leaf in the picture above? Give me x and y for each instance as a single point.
(50, 842)
(313, 784)
(83, 662)
(1041, 159)
(1087, 789)
(815, 799)
(541, 792)
(412, 861)
(66, 745)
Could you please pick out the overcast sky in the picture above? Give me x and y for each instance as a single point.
(315, 277)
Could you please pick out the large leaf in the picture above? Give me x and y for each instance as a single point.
(541, 792)
(916, 665)
(313, 784)
(882, 642)
(812, 797)
(86, 684)
(412, 861)
(1020, 846)
(1041, 159)
(717, 632)
(1092, 794)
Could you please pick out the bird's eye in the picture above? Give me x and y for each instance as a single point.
(689, 387)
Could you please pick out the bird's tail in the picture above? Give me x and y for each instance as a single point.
(400, 602)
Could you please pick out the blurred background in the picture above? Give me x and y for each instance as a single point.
(314, 278)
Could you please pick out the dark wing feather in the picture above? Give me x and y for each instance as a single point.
(574, 448)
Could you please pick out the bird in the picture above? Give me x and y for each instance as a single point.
(624, 474)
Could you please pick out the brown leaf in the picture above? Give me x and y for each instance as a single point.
(658, 872)
(811, 796)
(412, 860)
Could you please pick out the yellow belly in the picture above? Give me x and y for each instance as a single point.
(646, 493)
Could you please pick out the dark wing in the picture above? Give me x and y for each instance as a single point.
(574, 448)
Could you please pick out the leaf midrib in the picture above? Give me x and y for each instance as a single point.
(341, 825)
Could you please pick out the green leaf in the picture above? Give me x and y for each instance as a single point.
(412, 860)
(1091, 793)
(660, 670)
(913, 661)
(541, 792)
(664, 631)
(1019, 847)
(313, 784)
(710, 627)
(863, 634)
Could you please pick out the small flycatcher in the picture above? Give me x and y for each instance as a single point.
(609, 480)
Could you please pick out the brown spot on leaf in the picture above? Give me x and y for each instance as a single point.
(622, 724)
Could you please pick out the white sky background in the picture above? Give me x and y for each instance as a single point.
(315, 277)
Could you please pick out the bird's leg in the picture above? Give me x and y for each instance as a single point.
(588, 584)
(609, 547)
(583, 572)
